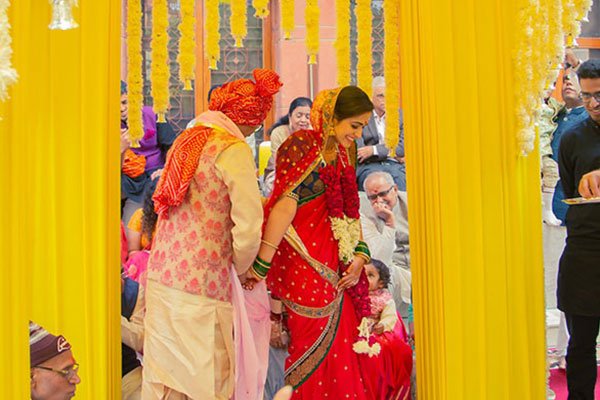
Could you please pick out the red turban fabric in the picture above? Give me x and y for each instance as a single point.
(43, 345)
(246, 102)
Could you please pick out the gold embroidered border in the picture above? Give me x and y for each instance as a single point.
(304, 367)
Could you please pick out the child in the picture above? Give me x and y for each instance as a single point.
(394, 363)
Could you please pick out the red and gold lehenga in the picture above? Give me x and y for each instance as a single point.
(306, 267)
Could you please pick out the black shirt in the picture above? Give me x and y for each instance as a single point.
(579, 271)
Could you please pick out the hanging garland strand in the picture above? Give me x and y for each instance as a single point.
(311, 16)
(213, 36)
(238, 21)
(135, 83)
(364, 25)
(187, 45)
(160, 58)
(391, 57)
(261, 8)
(342, 41)
(287, 18)
(8, 75)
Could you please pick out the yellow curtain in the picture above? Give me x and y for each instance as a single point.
(60, 171)
(474, 205)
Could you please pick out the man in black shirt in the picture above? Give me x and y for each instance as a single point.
(579, 271)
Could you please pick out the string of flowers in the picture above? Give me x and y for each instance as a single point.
(160, 58)
(135, 84)
(287, 18)
(238, 21)
(213, 36)
(342, 41)
(391, 68)
(551, 21)
(187, 45)
(261, 8)
(555, 41)
(311, 16)
(8, 75)
(364, 26)
(341, 194)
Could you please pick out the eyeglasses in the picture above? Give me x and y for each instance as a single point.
(588, 96)
(380, 194)
(68, 374)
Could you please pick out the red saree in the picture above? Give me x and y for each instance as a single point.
(304, 272)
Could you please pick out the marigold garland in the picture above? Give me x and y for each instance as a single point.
(8, 75)
(238, 21)
(551, 21)
(261, 8)
(187, 44)
(342, 41)
(160, 58)
(391, 58)
(287, 18)
(135, 83)
(364, 26)
(212, 23)
(311, 17)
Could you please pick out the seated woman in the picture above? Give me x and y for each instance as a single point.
(140, 232)
(297, 118)
(391, 372)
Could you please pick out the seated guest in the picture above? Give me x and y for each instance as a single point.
(133, 308)
(373, 155)
(53, 368)
(384, 219)
(297, 118)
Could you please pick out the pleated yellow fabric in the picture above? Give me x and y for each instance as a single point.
(474, 214)
(60, 170)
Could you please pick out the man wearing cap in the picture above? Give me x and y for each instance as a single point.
(53, 368)
(208, 231)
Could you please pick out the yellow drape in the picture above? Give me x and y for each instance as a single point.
(60, 207)
(475, 226)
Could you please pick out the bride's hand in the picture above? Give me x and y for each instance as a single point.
(351, 276)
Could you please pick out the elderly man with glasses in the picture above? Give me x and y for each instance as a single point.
(53, 368)
(384, 219)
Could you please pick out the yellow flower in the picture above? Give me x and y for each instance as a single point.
(187, 44)
(135, 95)
(311, 16)
(238, 21)
(364, 26)
(160, 58)
(287, 17)
(392, 73)
(342, 42)
(212, 22)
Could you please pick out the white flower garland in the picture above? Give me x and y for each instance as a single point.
(347, 232)
(8, 75)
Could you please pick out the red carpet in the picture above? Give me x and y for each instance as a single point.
(558, 383)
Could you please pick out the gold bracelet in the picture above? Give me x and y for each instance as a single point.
(253, 272)
(363, 256)
(271, 245)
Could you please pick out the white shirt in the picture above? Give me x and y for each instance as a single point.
(380, 124)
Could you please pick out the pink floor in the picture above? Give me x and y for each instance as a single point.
(558, 383)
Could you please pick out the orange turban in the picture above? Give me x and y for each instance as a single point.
(246, 102)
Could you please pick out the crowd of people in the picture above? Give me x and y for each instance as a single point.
(297, 282)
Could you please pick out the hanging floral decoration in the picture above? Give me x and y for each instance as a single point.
(187, 44)
(62, 15)
(212, 23)
(261, 8)
(554, 21)
(364, 25)
(342, 41)
(287, 18)
(160, 58)
(135, 84)
(311, 16)
(238, 21)
(391, 67)
(8, 75)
